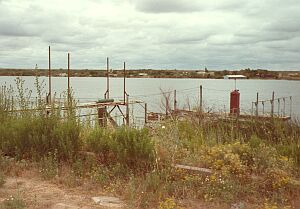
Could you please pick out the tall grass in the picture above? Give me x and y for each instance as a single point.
(130, 147)
(29, 130)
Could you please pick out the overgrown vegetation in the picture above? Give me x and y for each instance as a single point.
(13, 202)
(251, 162)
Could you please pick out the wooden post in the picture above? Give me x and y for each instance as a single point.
(145, 113)
(272, 104)
(175, 101)
(283, 106)
(69, 90)
(291, 106)
(278, 106)
(107, 77)
(124, 72)
(167, 104)
(49, 76)
(127, 110)
(256, 104)
(102, 116)
(201, 102)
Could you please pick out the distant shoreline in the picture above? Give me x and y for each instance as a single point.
(150, 73)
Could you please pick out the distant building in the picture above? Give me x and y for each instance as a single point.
(293, 74)
(143, 74)
(62, 74)
(235, 77)
(201, 72)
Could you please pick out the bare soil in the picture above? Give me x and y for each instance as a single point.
(39, 194)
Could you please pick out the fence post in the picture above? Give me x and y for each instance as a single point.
(127, 110)
(201, 104)
(272, 104)
(175, 101)
(256, 104)
(284, 106)
(145, 113)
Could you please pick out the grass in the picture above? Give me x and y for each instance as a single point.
(13, 203)
(251, 161)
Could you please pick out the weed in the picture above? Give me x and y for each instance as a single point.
(2, 179)
(14, 202)
(128, 147)
(169, 203)
(49, 166)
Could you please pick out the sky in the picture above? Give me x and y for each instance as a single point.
(151, 34)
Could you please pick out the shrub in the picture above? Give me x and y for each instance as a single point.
(2, 179)
(33, 137)
(49, 166)
(14, 202)
(129, 147)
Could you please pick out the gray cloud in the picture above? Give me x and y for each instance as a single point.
(165, 6)
(225, 34)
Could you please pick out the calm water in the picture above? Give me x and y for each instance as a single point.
(215, 92)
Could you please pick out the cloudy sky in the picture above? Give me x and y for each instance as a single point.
(161, 34)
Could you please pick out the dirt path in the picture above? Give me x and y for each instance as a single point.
(41, 194)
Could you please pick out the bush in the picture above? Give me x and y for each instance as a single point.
(2, 179)
(33, 137)
(13, 203)
(129, 147)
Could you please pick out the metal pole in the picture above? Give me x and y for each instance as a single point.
(107, 77)
(127, 110)
(167, 104)
(235, 84)
(49, 75)
(175, 101)
(272, 104)
(263, 104)
(256, 104)
(201, 102)
(278, 106)
(145, 113)
(69, 78)
(283, 106)
(124, 72)
(291, 106)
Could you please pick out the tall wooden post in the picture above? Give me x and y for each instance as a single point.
(256, 104)
(283, 106)
(127, 110)
(146, 113)
(69, 90)
(107, 77)
(278, 106)
(291, 106)
(167, 105)
(201, 102)
(124, 72)
(272, 104)
(49, 76)
(175, 101)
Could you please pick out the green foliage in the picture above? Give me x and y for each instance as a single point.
(2, 179)
(30, 137)
(49, 166)
(14, 202)
(130, 147)
(169, 203)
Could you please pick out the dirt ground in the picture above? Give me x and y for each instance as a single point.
(40, 194)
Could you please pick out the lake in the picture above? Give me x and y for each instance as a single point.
(216, 92)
